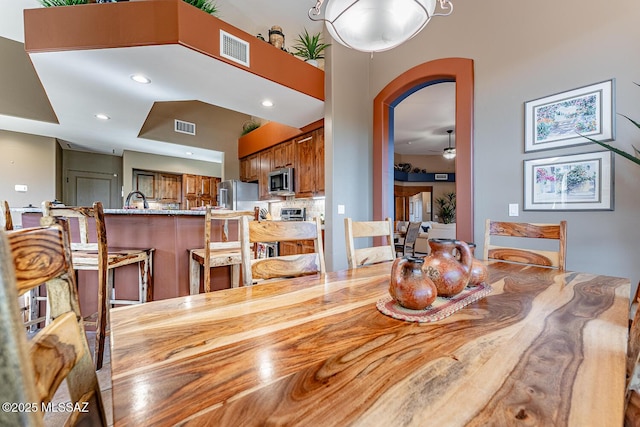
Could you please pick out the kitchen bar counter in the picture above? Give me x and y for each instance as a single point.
(172, 233)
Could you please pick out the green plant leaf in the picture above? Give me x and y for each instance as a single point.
(207, 6)
(56, 3)
(624, 154)
(309, 46)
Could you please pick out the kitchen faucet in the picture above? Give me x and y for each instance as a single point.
(139, 193)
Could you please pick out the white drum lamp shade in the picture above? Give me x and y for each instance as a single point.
(377, 25)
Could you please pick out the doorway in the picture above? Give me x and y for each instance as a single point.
(83, 188)
(459, 70)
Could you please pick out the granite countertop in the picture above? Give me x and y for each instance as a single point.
(130, 211)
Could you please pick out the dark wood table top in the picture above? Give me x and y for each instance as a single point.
(544, 348)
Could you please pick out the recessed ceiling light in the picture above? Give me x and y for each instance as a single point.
(267, 103)
(102, 116)
(189, 153)
(140, 78)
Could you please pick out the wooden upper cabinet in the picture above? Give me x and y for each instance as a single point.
(199, 190)
(319, 141)
(145, 182)
(266, 166)
(309, 164)
(190, 185)
(250, 168)
(283, 155)
(305, 175)
(169, 188)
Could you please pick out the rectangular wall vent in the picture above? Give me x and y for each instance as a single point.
(185, 127)
(233, 48)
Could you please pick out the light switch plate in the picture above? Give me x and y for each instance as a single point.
(341, 209)
(513, 209)
(21, 188)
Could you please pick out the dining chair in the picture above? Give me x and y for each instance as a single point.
(372, 254)
(216, 254)
(555, 259)
(280, 266)
(410, 237)
(29, 302)
(33, 369)
(632, 393)
(88, 254)
(5, 215)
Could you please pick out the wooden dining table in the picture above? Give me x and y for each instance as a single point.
(543, 348)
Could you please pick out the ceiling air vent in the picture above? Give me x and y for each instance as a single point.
(233, 48)
(185, 127)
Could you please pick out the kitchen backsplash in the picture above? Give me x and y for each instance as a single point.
(314, 207)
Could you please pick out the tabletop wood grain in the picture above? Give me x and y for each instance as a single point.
(544, 348)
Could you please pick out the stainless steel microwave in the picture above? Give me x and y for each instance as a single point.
(281, 182)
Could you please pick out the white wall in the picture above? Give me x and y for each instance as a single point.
(27, 160)
(523, 51)
(348, 149)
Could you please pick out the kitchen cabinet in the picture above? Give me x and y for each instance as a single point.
(198, 190)
(283, 155)
(266, 166)
(157, 186)
(296, 247)
(309, 164)
(250, 168)
(169, 188)
(145, 182)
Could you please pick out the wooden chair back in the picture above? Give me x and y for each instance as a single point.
(5, 214)
(555, 259)
(633, 353)
(225, 249)
(280, 266)
(84, 248)
(373, 254)
(32, 371)
(413, 231)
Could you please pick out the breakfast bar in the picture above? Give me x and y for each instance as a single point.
(545, 347)
(171, 233)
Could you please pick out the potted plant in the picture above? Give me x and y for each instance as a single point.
(310, 47)
(207, 6)
(249, 126)
(54, 3)
(447, 207)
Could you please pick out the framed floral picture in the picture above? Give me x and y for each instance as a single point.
(559, 120)
(569, 183)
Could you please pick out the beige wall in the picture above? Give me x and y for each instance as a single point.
(27, 160)
(522, 52)
(136, 160)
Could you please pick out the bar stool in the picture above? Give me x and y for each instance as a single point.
(87, 255)
(29, 302)
(216, 254)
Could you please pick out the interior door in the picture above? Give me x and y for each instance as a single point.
(84, 188)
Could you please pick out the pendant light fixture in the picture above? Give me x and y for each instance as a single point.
(374, 25)
(449, 152)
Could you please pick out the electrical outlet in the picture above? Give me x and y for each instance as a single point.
(513, 209)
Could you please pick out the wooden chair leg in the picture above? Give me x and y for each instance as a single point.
(194, 276)
(235, 275)
(104, 301)
(149, 273)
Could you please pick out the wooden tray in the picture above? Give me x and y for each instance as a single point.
(441, 308)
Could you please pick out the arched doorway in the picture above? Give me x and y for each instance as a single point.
(459, 70)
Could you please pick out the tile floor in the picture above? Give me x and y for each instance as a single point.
(53, 419)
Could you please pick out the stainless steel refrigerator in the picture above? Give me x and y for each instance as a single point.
(238, 195)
